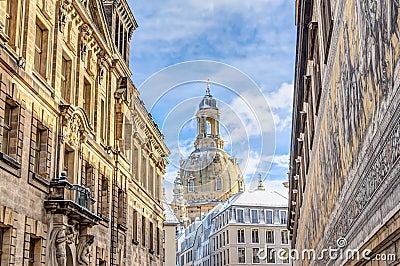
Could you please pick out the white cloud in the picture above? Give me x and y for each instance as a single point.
(281, 98)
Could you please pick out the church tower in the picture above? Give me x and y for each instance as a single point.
(208, 128)
(209, 175)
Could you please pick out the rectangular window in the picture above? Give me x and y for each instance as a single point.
(9, 17)
(151, 240)
(254, 236)
(284, 237)
(240, 236)
(116, 32)
(121, 207)
(34, 251)
(316, 77)
(103, 195)
(240, 218)
(143, 231)
(268, 217)
(102, 120)
(241, 255)
(276, 217)
(87, 99)
(69, 161)
(270, 255)
(10, 128)
(7, 127)
(66, 79)
(254, 216)
(283, 217)
(87, 175)
(310, 114)
(158, 241)
(135, 226)
(121, 38)
(269, 237)
(40, 59)
(327, 24)
(41, 151)
(256, 257)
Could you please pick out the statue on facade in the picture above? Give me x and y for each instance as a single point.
(65, 6)
(83, 251)
(59, 238)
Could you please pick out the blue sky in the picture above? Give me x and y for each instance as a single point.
(255, 37)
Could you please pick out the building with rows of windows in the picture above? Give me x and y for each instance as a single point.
(81, 160)
(250, 228)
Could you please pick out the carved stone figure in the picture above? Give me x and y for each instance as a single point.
(83, 251)
(65, 6)
(85, 34)
(59, 238)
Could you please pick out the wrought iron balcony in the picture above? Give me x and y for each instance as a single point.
(72, 200)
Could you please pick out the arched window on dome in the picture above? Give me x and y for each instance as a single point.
(212, 144)
(218, 184)
(191, 185)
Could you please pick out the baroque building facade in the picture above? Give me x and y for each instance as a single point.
(209, 175)
(345, 147)
(81, 160)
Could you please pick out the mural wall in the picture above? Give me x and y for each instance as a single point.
(358, 142)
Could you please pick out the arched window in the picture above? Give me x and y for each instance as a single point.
(218, 184)
(211, 144)
(191, 185)
(208, 124)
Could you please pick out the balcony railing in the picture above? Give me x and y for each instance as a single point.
(82, 196)
(71, 199)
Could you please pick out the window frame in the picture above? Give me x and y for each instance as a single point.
(41, 150)
(255, 259)
(66, 78)
(11, 126)
(283, 231)
(239, 255)
(280, 216)
(257, 236)
(257, 216)
(241, 236)
(237, 216)
(272, 250)
(267, 236)
(272, 216)
(41, 51)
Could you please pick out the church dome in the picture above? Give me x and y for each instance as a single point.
(209, 174)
